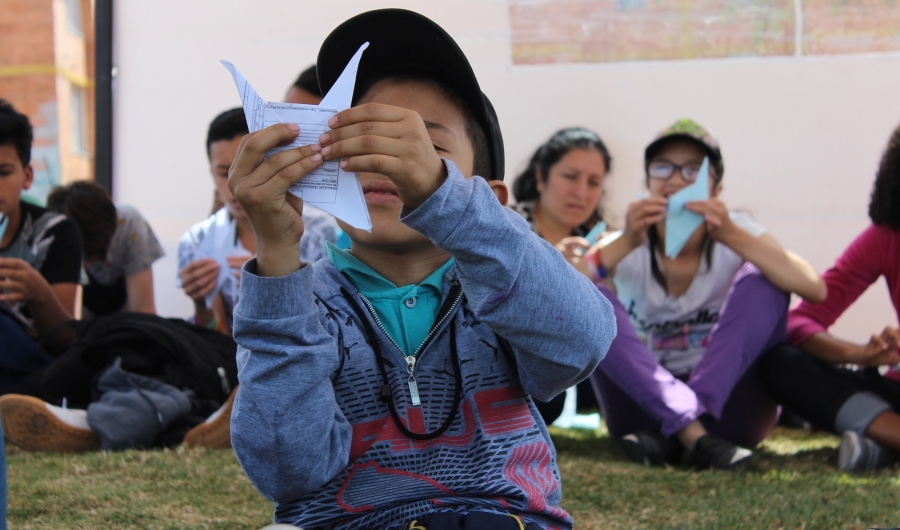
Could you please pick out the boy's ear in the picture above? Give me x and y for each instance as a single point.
(29, 177)
(500, 191)
(717, 189)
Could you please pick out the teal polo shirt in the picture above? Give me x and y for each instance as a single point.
(407, 313)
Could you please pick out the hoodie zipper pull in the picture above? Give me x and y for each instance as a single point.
(413, 386)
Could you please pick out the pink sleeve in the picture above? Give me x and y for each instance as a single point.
(857, 268)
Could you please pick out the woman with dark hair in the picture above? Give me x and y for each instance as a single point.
(859, 403)
(681, 374)
(119, 248)
(558, 194)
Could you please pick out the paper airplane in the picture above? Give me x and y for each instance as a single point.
(329, 187)
(681, 222)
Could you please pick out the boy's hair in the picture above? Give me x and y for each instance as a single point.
(226, 126)
(15, 129)
(481, 165)
(90, 207)
(884, 208)
(309, 81)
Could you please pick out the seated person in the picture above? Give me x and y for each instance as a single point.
(40, 258)
(119, 248)
(387, 386)
(857, 403)
(234, 241)
(682, 371)
(305, 89)
(559, 195)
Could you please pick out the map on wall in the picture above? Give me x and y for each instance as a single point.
(850, 26)
(590, 31)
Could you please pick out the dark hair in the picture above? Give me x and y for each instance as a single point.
(15, 129)
(90, 207)
(547, 155)
(226, 126)
(884, 208)
(309, 81)
(481, 165)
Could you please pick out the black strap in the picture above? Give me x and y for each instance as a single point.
(386, 388)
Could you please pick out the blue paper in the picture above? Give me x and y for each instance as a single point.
(594, 235)
(680, 222)
(4, 224)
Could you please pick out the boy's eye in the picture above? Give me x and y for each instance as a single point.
(437, 147)
(570, 176)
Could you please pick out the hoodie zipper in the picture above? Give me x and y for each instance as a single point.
(412, 359)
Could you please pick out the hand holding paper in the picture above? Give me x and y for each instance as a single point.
(681, 222)
(328, 186)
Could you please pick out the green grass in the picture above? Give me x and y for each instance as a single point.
(793, 484)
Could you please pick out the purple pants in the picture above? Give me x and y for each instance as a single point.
(724, 391)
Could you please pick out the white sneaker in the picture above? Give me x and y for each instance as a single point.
(861, 453)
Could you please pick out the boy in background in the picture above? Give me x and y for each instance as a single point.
(40, 258)
(388, 386)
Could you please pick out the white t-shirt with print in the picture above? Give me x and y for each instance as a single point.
(676, 330)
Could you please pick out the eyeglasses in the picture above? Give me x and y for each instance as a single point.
(661, 170)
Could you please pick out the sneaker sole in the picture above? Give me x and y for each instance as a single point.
(29, 424)
(215, 434)
(849, 451)
(632, 447)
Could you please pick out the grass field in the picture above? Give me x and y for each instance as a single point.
(793, 484)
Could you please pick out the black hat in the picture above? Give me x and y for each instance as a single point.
(404, 42)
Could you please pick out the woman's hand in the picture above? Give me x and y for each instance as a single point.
(199, 278)
(641, 215)
(574, 249)
(261, 186)
(719, 225)
(881, 350)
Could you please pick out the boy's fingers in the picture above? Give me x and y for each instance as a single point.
(365, 145)
(367, 128)
(279, 183)
(254, 146)
(367, 112)
(382, 164)
(268, 169)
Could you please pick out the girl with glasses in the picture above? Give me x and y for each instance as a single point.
(681, 374)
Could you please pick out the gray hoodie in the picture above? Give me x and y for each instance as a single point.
(312, 424)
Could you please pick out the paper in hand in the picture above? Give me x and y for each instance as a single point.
(329, 187)
(680, 222)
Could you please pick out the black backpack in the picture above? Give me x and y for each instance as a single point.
(184, 355)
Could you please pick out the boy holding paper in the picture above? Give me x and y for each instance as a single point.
(387, 387)
(682, 374)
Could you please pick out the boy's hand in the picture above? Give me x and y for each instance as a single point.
(19, 282)
(198, 279)
(261, 186)
(391, 141)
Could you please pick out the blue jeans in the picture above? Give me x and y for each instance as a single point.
(19, 354)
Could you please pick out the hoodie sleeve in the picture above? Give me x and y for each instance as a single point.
(287, 430)
(559, 324)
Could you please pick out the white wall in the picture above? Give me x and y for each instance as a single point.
(801, 138)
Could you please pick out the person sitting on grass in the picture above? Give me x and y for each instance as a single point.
(229, 228)
(387, 386)
(119, 249)
(40, 258)
(856, 403)
(682, 372)
(559, 195)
